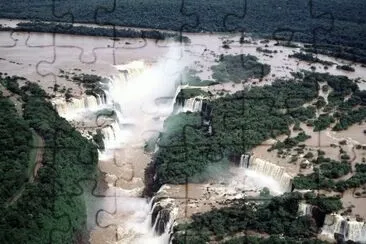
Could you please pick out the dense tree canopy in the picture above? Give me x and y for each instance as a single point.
(51, 209)
(276, 216)
(335, 27)
(15, 144)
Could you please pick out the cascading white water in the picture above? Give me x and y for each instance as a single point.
(99, 99)
(139, 95)
(244, 161)
(356, 231)
(276, 172)
(350, 229)
(77, 106)
(268, 169)
(305, 209)
(91, 102)
(135, 97)
(193, 104)
(131, 70)
(114, 137)
(332, 224)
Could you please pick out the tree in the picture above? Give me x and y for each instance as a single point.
(265, 192)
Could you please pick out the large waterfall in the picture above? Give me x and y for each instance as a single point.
(78, 105)
(346, 228)
(113, 135)
(131, 70)
(141, 97)
(312, 211)
(193, 104)
(244, 161)
(265, 168)
(305, 209)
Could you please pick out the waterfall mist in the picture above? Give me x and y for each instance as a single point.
(260, 173)
(344, 228)
(140, 96)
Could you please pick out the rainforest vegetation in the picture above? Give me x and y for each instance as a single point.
(238, 68)
(323, 177)
(276, 216)
(308, 57)
(15, 144)
(98, 31)
(50, 209)
(247, 118)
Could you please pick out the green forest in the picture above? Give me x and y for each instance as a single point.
(334, 26)
(239, 68)
(15, 144)
(97, 31)
(277, 216)
(51, 209)
(247, 118)
(244, 120)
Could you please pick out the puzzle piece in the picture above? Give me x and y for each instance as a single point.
(315, 30)
(238, 19)
(62, 14)
(181, 38)
(22, 65)
(318, 34)
(5, 42)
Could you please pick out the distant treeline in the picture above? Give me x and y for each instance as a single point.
(339, 51)
(96, 31)
(309, 58)
(296, 20)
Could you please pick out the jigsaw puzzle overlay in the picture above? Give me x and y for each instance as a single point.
(127, 124)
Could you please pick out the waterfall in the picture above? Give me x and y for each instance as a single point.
(100, 100)
(133, 95)
(77, 106)
(193, 104)
(91, 102)
(113, 136)
(348, 229)
(244, 161)
(139, 96)
(332, 224)
(356, 231)
(130, 70)
(312, 211)
(305, 209)
(272, 170)
(162, 218)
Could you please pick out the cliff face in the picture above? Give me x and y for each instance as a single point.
(151, 182)
(160, 219)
